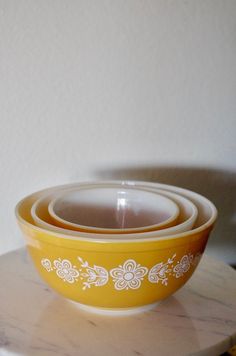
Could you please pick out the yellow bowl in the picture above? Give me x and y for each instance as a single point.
(126, 275)
(112, 210)
(186, 220)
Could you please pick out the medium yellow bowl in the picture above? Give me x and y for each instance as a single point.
(111, 275)
(186, 220)
(112, 210)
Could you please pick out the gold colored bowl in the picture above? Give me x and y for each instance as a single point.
(124, 275)
(186, 219)
(112, 210)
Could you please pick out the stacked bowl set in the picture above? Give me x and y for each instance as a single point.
(117, 247)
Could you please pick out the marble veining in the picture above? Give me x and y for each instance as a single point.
(200, 319)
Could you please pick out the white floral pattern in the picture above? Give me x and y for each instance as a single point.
(183, 265)
(46, 263)
(160, 272)
(65, 271)
(129, 275)
(96, 275)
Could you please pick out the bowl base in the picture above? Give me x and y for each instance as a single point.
(113, 311)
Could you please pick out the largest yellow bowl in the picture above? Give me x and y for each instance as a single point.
(120, 274)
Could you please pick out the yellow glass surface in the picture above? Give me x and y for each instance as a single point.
(111, 274)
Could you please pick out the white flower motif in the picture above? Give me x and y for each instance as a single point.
(183, 266)
(159, 272)
(129, 275)
(126, 276)
(65, 271)
(96, 275)
(46, 263)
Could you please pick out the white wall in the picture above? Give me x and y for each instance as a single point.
(122, 88)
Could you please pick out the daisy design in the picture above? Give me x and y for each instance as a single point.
(129, 275)
(46, 263)
(183, 266)
(65, 270)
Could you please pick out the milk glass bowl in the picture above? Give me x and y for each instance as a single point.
(113, 210)
(187, 216)
(124, 275)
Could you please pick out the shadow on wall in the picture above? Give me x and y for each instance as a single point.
(217, 185)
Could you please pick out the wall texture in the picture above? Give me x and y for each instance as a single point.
(98, 89)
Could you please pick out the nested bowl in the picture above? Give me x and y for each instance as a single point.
(187, 214)
(112, 210)
(117, 275)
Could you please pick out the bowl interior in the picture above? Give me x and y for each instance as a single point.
(41, 217)
(113, 208)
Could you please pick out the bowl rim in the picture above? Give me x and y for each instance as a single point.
(157, 185)
(173, 216)
(148, 234)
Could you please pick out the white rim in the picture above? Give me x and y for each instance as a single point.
(173, 216)
(167, 232)
(115, 312)
(170, 188)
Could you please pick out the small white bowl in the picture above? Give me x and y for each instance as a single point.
(187, 217)
(113, 210)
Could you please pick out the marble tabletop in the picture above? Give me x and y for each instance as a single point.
(200, 319)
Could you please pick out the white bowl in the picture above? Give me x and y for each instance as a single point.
(187, 217)
(113, 210)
